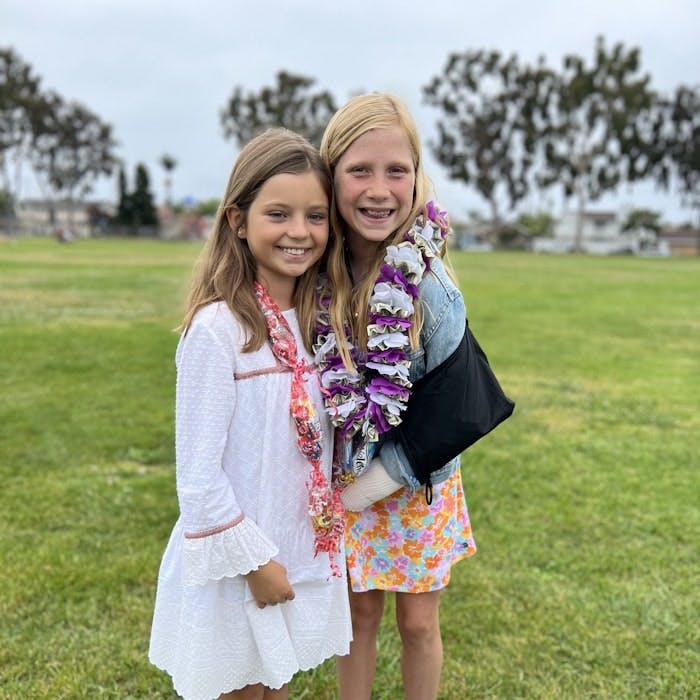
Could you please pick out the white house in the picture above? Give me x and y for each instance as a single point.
(602, 234)
(80, 218)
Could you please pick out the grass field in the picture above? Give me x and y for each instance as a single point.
(585, 505)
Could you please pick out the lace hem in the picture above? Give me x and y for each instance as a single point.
(230, 552)
(218, 643)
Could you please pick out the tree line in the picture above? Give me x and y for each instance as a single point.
(66, 145)
(504, 128)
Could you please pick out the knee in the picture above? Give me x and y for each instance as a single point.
(418, 629)
(366, 612)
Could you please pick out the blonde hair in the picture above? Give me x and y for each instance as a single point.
(349, 306)
(226, 269)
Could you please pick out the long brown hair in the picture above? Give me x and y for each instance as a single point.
(349, 305)
(226, 269)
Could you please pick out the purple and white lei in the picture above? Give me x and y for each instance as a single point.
(370, 398)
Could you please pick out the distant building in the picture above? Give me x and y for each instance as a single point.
(184, 225)
(602, 234)
(33, 217)
(470, 236)
(681, 240)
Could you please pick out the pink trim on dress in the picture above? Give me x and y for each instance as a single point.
(214, 530)
(277, 369)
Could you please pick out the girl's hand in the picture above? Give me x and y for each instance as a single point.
(269, 584)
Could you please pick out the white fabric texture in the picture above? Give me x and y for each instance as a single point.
(236, 550)
(368, 488)
(241, 486)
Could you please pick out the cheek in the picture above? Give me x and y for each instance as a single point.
(344, 196)
(324, 235)
(340, 187)
(407, 193)
(321, 239)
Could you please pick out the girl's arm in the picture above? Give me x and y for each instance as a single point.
(219, 540)
(443, 329)
(455, 404)
(444, 324)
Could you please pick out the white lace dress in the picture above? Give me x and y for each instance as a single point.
(243, 501)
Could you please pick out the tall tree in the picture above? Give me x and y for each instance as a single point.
(125, 215)
(677, 135)
(72, 147)
(290, 103)
(20, 97)
(685, 147)
(7, 205)
(168, 163)
(596, 133)
(143, 209)
(490, 106)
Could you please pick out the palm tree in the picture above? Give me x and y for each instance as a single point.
(169, 164)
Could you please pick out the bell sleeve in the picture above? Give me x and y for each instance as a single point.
(219, 540)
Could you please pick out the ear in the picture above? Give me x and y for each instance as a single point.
(235, 219)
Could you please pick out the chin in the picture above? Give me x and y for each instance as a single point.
(376, 236)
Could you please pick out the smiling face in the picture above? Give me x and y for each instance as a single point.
(374, 185)
(286, 229)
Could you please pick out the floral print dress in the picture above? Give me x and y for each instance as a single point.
(403, 544)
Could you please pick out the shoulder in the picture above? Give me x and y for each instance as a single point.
(220, 321)
(442, 301)
(214, 325)
(214, 316)
(437, 286)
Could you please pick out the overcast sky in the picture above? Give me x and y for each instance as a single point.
(160, 72)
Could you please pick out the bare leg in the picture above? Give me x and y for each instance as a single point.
(250, 692)
(356, 670)
(257, 692)
(418, 618)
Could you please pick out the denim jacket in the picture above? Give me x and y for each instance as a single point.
(444, 315)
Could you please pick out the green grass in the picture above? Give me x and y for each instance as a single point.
(584, 504)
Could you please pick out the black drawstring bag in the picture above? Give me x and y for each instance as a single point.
(450, 408)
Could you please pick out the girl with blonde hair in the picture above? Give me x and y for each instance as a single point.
(392, 315)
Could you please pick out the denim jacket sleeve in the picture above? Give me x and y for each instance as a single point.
(444, 315)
